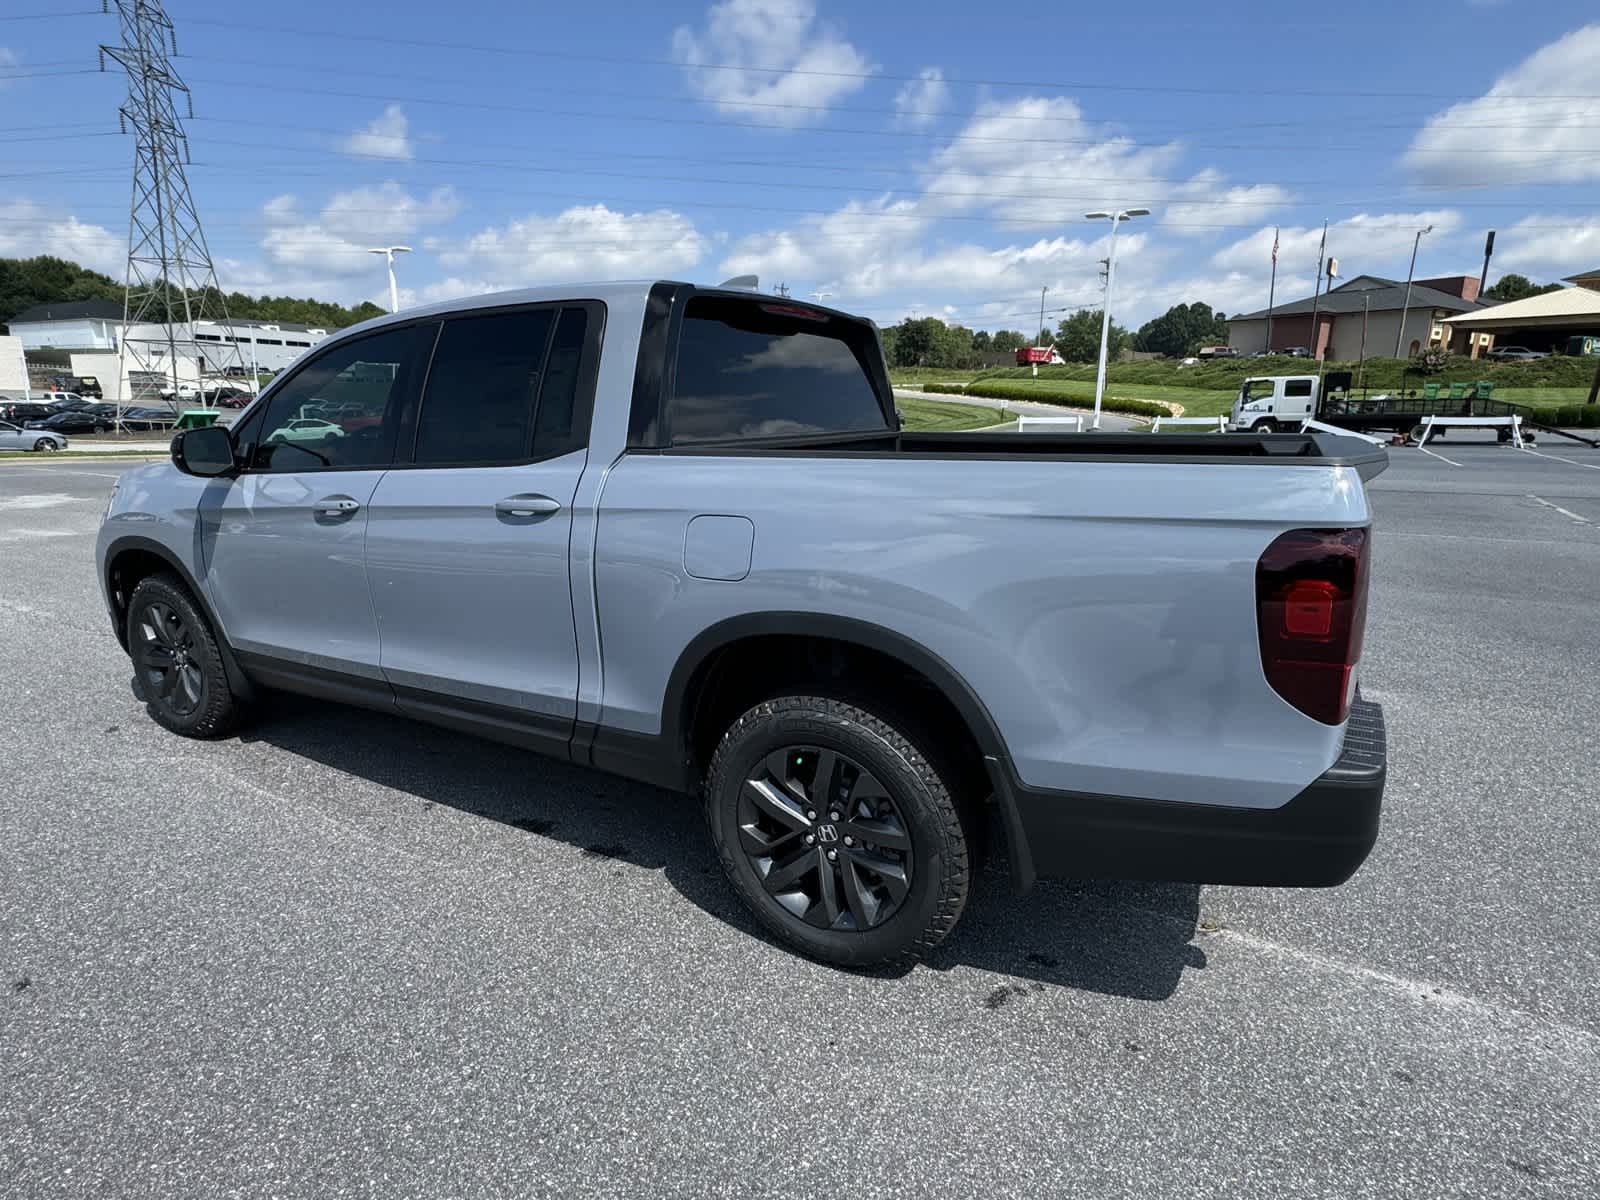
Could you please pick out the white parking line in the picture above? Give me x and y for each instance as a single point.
(1563, 511)
(1558, 458)
(1440, 457)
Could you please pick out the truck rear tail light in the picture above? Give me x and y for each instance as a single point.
(1311, 613)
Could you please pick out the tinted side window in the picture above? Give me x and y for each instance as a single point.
(341, 410)
(1297, 387)
(748, 369)
(483, 388)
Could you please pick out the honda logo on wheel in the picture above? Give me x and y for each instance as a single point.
(827, 833)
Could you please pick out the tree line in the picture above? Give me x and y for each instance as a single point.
(25, 282)
(929, 342)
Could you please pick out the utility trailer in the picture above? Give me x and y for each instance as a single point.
(1271, 402)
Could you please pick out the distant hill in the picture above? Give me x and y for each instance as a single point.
(25, 282)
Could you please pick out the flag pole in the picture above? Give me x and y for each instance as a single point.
(1272, 289)
(1316, 296)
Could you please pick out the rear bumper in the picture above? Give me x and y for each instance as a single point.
(1317, 839)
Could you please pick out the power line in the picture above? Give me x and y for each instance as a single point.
(1009, 117)
(435, 44)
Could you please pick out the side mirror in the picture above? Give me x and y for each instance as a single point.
(206, 452)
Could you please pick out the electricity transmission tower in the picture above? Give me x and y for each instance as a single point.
(171, 285)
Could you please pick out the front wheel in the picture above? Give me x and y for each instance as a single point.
(838, 830)
(178, 660)
(1267, 426)
(45, 445)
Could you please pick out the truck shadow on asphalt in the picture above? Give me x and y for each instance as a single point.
(1122, 939)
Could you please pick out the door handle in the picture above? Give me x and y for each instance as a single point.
(527, 506)
(335, 506)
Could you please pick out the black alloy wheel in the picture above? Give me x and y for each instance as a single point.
(825, 838)
(45, 445)
(168, 660)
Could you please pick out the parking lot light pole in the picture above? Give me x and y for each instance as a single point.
(1400, 337)
(1116, 219)
(388, 253)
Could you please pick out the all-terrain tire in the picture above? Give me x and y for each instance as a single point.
(895, 751)
(168, 635)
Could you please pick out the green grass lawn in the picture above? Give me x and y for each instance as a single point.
(933, 416)
(911, 376)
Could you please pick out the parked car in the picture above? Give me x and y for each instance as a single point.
(228, 397)
(306, 429)
(14, 438)
(699, 551)
(71, 421)
(1514, 354)
(142, 418)
(88, 386)
(20, 412)
(62, 401)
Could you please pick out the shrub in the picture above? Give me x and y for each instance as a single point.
(1574, 416)
(991, 389)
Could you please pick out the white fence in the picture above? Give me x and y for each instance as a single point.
(1429, 423)
(1219, 423)
(1048, 423)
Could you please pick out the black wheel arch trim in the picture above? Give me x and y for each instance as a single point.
(665, 758)
(238, 682)
(674, 708)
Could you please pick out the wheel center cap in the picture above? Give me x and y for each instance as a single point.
(827, 833)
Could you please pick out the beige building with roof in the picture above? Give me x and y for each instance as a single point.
(1567, 320)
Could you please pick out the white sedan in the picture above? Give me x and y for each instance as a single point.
(12, 438)
(306, 429)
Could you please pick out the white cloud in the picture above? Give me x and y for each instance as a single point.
(386, 136)
(1206, 201)
(28, 229)
(1549, 246)
(1037, 161)
(1032, 164)
(755, 56)
(1528, 128)
(920, 102)
(8, 60)
(584, 242)
(388, 211)
(1365, 244)
(333, 245)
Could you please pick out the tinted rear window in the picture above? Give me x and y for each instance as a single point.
(749, 369)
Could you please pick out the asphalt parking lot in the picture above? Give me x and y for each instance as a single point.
(345, 955)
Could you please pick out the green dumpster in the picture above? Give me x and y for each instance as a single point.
(196, 418)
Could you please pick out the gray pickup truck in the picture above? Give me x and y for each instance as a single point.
(677, 533)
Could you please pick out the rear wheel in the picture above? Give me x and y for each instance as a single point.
(178, 660)
(838, 830)
(45, 445)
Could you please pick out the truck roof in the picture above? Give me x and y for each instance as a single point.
(613, 290)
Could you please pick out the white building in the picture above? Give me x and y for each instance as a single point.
(78, 325)
(91, 332)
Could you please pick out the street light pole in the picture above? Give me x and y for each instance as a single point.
(1116, 218)
(1038, 341)
(388, 253)
(1405, 308)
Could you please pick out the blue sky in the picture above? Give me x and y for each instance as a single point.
(933, 158)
